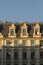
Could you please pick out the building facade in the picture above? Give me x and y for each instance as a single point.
(21, 43)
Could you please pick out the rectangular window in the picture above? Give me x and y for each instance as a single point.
(23, 42)
(15, 55)
(41, 55)
(0, 63)
(24, 31)
(8, 63)
(8, 42)
(41, 43)
(24, 55)
(32, 42)
(36, 31)
(32, 55)
(12, 32)
(8, 55)
(16, 64)
(0, 54)
(24, 64)
(15, 43)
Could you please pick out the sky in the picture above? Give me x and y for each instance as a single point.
(21, 10)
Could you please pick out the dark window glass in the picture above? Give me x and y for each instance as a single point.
(0, 54)
(15, 64)
(24, 64)
(32, 55)
(8, 55)
(24, 55)
(32, 64)
(36, 31)
(15, 55)
(8, 63)
(0, 63)
(41, 64)
(41, 55)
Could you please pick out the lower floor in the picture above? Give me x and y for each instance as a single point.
(21, 56)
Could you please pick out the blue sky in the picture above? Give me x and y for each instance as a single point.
(21, 10)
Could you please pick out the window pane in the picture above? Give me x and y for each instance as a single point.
(24, 55)
(8, 63)
(41, 55)
(15, 55)
(36, 31)
(12, 32)
(8, 43)
(32, 55)
(24, 31)
(15, 43)
(23, 42)
(32, 42)
(41, 43)
(8, 55)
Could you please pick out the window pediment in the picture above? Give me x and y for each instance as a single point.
(37, 30)
(24, 25)
(12, 26)
(37, 25)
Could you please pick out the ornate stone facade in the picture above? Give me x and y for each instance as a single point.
(21, 43)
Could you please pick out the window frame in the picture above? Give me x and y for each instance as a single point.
(8, 43)
(11, 32)
(15, 43)
(23, 42)
(23, 31)
(32, 42)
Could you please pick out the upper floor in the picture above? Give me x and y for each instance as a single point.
(24, 29)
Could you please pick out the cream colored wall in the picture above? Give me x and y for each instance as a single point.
(36, 38)
(28, 42)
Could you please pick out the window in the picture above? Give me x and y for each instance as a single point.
(15, 43)
(24, 55)
(0, 63)
(16, 64)
(12, 32)
(32, 64)
(8, 63)
(24, 64)
(32, 55)
(23, 42)
(41, 55)
(36, 31)
(24, 31)
(8, 43)
(32, 42)
(0, 54)
(8, 55)
(41, 43)
(15, 55)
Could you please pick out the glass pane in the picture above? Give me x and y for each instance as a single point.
(32, 42)
(23, 42)
(12, 32)
(8, 43)
(15, 55)
(15, 43)
(24, 31)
